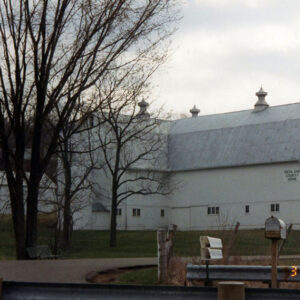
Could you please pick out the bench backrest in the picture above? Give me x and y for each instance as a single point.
(41, 251)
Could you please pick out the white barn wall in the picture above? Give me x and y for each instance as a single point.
(231, 189)
(46, 195)
(181, 217)
(150, 207)
(149, 219)
(100, 221)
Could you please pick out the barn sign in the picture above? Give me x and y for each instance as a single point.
(291, 175)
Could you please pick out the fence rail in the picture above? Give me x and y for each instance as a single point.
(249, 273)
(52, 291)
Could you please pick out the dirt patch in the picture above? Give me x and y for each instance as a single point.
(110, 276)
(177, 272)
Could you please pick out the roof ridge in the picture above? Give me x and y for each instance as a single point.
(238, 126)
(238, 111)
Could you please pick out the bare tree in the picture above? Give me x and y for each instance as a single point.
(77, 161)
(133, 147)
(51, 55)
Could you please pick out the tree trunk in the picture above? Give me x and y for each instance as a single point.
(19, 228)
(67, 212)
(17, 209)
(67, 226)
(57, 231)
(14, 176)
(33, 187)
(113, 221)
(32, 215)
(114, 200)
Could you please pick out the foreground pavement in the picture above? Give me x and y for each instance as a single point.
(77, 270)
(64, 270)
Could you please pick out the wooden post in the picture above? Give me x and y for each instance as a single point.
(231, 290)
(162, 256)
(170, 241)
(274, 283)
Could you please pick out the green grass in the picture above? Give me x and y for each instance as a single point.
(7, 241)
(248, 242)
(143, 277)
(94, 243)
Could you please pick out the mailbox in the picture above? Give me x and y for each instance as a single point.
(275, 229)
(211, 248)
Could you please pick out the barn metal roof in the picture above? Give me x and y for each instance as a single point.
(236, 139)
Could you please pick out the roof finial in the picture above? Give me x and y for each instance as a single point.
(194, 111)
(261, 103)
(143, 108)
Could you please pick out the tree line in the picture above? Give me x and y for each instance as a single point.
(62, 62)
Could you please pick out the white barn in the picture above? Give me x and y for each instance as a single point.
(240, 166)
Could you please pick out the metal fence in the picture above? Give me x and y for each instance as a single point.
(51, 291)
(246, 273)
(54, 291)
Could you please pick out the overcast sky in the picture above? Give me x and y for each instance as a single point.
(225, 50)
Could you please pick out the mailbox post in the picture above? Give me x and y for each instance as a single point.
(275, 229)
(211, 249)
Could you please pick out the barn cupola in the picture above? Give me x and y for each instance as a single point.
(261, 103)
(194, 111)
(143, 109)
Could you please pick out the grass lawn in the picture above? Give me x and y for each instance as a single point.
(143, 277)
(94, 244)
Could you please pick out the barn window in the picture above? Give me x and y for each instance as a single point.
(136, 212)
(275, 207)
(119, 211)
(162, 213)
(247, 209)
(213, 210)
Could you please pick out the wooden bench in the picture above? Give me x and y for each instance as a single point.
(41, 252)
